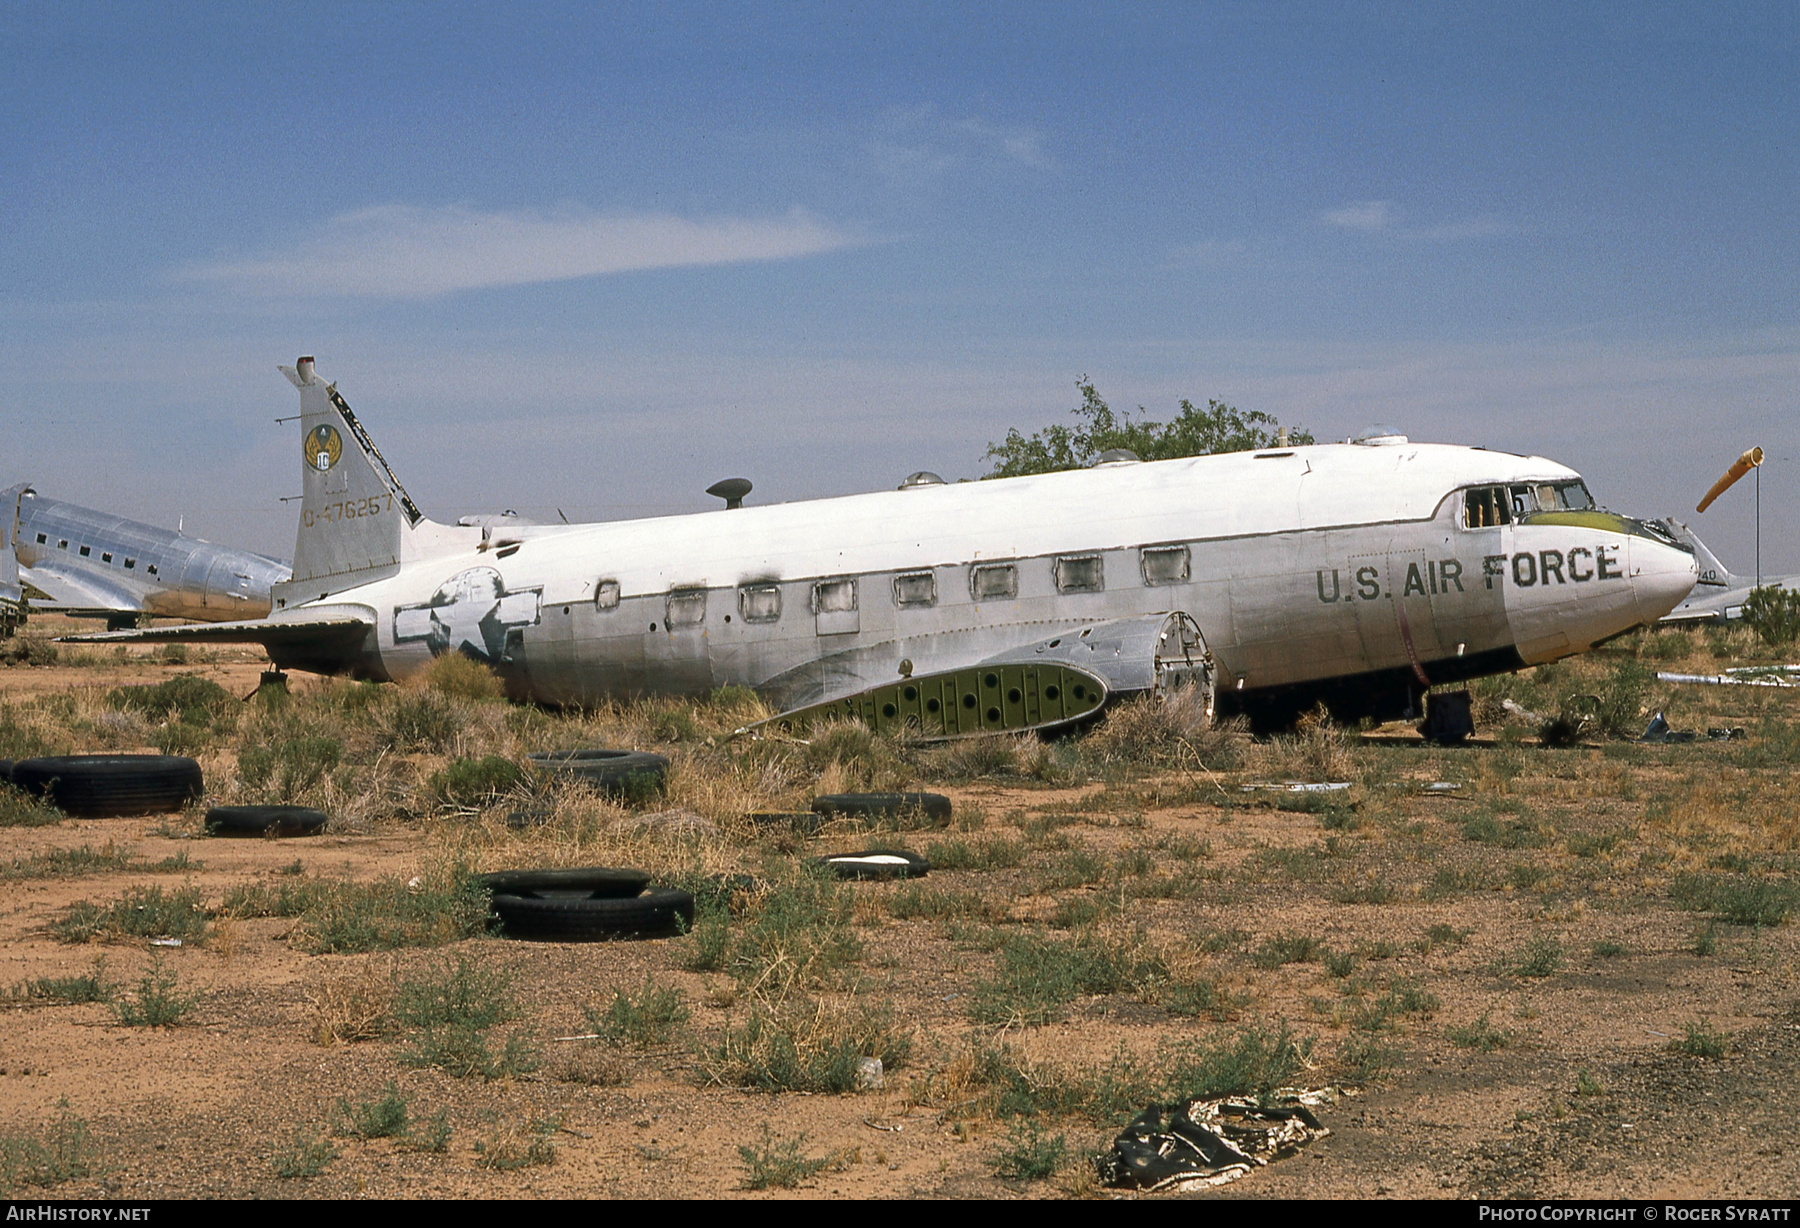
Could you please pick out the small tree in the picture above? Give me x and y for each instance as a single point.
(1196, 432)
(1774, 614)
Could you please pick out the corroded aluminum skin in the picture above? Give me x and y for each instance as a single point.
(1305, 565)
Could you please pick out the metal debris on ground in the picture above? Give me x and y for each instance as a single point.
(1209, 1142)
(1522, 712)
(1659, 732)
(1295, 786)
(1750, 675)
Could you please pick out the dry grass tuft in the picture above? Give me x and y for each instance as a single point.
(1317, 750)
(352, 1004)
(1154, 731)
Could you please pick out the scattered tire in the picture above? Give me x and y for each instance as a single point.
(272, 822)
(578, 917)
(6, 771)
(876, 864)
(630, 773)
(587, 882)
(108, 786)
(805, 822)
(934, 806)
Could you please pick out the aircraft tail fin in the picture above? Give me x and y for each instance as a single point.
(1713, 573)
(354, 514)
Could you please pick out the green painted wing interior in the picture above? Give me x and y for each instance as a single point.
(978, 699)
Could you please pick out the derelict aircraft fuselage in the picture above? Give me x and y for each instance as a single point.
(93, 564)
(1353, 574)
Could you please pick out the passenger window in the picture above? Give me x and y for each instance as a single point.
(915, 588)
(994, 582)
(130, 563)
(86, 550)
(1079, 573)
(1165, 564)
(63, 544)
(1486, 507)
(760, 603)
(834, 596)
(151, 569)
(686, 607)
(42, 539)
(606, 595)
(106, 557)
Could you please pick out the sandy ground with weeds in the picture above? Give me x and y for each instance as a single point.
(1578, 1094)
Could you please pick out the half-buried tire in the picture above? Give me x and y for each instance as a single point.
(270, 822)
(627, 773)
(109, 786)
(876, 864)
(934, 806)
(577, 916)
(590, 882)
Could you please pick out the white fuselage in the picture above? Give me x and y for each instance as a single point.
(1302, 566)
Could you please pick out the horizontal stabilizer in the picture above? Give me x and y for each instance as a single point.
(339, 627)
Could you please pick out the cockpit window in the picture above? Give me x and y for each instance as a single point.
(1574, 496)
(1486, 507)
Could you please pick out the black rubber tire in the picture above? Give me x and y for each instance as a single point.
(109, 786)
(659, 911)
(632, 773)
(934, 806)
(582, 882)
(862, 866)
(272, 822)
(6, 771)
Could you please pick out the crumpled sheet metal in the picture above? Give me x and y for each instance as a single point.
(1208, 1142)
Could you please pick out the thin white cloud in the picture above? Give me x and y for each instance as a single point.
(1361, 215)
(918, 146)
(1370, 216)
(403, 251)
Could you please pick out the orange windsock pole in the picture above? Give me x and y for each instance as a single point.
(1739, 467)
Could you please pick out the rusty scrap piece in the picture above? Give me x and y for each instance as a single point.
(1208, 1142)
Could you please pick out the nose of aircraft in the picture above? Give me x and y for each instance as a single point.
(1661, 577)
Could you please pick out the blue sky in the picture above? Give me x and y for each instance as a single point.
(597, 259)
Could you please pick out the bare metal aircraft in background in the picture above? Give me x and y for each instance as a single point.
(1358, 575)
(88, 564)
(1718, 595)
